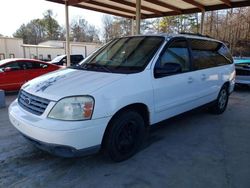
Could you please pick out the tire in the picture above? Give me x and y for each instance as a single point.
(125, 135)
(220, 104)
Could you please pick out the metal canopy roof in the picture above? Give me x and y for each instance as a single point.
(154, 8)
(137, 9)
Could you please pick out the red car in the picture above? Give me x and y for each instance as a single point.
(15, 72)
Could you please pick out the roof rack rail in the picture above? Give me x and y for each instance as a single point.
(195, 34)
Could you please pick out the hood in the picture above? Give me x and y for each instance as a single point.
(69, 82)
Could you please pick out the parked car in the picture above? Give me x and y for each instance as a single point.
(110, 99)
(15, 72)
(242, 67)
(62, 59)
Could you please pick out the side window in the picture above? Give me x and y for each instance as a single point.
(176, 53)
(15, 66)
(208, 54)
(224, 51)
(33, 65)
(76, 58)
(63, 61)
(26, 65)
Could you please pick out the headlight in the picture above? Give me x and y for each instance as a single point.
(73, 108)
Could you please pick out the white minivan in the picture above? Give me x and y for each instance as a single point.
(111, 97)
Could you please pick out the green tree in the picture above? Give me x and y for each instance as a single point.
(51, 26)
(82, 31)
(38, 30)
(24, 33)
(178, 24)
(107, 22)
(116, 27)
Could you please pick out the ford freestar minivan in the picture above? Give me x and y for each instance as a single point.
(110, 99)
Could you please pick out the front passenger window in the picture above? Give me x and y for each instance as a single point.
(176, 53)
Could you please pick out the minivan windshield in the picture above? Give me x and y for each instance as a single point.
(123, 55)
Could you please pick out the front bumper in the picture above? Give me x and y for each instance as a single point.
(64, 138)
(242, 80)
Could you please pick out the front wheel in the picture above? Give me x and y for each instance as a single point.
(220, 104)
(125, 135)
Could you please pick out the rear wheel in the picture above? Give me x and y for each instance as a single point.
(125, 135)
(220, 104)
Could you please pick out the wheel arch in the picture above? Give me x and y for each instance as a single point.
(227, 85)
(140, 108)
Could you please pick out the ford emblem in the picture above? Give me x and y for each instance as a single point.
(27, 100)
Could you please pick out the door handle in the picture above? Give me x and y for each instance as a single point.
(203, 77)
(190, 80)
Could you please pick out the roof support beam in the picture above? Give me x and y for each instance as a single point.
(109, 6)
(93, 8)
(227, 2)
(74, 2)
(198, 7)
(165, 5)
(130, 4)
(195, 3)
(103, 11)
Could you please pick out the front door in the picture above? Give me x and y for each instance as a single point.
(174, 93)
(12, 76)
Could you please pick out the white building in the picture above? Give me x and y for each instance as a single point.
(14, 47)
(10, 47)
(50, 49)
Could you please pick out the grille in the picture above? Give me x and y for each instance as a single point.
(32, 103)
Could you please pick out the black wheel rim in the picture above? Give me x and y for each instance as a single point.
(127, 137)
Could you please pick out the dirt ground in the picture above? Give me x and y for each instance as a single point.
(196, 149)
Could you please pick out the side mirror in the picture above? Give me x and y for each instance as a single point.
(167, 69)
(7, 69)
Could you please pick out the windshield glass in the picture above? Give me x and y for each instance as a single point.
(123, 55)
(57, 59)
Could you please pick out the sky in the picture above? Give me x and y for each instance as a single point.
(16, 12)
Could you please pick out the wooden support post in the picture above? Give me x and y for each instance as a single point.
(202, 22)
(138, 16)
(67, 33)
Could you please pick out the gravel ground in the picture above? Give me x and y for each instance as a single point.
(196, 149)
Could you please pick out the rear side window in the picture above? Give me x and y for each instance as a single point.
(208, 54)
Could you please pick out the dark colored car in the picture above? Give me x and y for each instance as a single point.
(242, 67)
(15, 72)
(62, 59)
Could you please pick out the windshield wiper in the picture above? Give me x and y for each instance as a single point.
(88, 66)
(102, 66)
